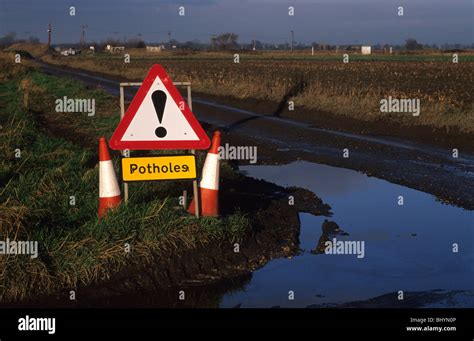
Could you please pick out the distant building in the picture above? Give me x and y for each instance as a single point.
(68, 52)
(117, 49)
(366, 50)
(153, 49)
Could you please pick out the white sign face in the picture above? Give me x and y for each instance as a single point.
(146, 120)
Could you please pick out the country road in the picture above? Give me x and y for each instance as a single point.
(429, 169)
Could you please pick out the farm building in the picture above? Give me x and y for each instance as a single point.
(153, 48)
(69, 52)
(366, 49)
(116, 49)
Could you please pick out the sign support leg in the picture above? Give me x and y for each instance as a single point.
(122, 114)
(195, 193)
(195, 184)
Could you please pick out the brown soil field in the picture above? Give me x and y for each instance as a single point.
(351, 91)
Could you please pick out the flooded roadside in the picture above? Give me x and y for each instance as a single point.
(407, 247)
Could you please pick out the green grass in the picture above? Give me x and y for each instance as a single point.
(75, 247)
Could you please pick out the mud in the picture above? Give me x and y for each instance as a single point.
(205, 273)
(327, 120)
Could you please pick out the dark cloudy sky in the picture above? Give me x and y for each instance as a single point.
(331, 21)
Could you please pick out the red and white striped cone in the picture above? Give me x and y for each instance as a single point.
(109, 190)
(209, 184)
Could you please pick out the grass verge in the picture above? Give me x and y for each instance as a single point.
(47, 158)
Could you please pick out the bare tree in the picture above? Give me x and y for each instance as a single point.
(412, 44)
(8, 39)
(227, 40)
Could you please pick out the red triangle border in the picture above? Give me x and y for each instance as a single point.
(116, 142)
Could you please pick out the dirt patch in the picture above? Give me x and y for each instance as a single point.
(215, 267)
(62, 129)
(452, 138)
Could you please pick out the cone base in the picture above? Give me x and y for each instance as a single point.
(209, 203)
(106, 204)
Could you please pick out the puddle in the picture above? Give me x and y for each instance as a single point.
(407, 247)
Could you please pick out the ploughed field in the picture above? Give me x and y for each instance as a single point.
(322, 86)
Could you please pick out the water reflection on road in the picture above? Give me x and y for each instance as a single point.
(408, 247)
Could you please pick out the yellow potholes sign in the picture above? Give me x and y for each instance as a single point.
(171, 167)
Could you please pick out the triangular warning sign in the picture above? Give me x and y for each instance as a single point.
(158, 118)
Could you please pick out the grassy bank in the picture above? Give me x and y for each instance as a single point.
(57, 160)
(320, 83)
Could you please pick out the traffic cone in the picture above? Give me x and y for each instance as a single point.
(109, 191)
(209, 184)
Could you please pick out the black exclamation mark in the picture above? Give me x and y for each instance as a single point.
(159, 100)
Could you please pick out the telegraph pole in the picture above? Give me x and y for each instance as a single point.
(49, 35)
(292, 39)
(83, 34)
(213, 41)
(169, 39)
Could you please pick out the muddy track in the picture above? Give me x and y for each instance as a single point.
(429, 136)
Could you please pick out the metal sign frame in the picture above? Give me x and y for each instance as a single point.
(192, 151)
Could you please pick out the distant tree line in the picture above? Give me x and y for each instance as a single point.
(229, 41)
(411, 44)
(10, 39)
